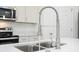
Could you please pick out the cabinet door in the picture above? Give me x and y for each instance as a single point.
(20, 14)
(32, 13)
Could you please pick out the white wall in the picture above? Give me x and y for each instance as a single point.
(23, 29)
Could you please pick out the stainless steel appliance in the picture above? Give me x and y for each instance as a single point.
(7, 37)
(7, 14)
(6, 32)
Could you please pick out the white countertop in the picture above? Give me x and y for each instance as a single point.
(8, 49)
(72, 45)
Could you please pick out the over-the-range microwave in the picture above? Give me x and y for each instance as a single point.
(7, 14)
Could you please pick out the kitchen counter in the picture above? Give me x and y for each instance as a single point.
(8, 49)
(72, 45)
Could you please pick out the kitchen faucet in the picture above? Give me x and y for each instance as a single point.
(57, 27)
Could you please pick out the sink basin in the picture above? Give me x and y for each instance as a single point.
(45, 44)
(49, 44)
(29, 48)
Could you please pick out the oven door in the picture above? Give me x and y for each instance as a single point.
(5, 34)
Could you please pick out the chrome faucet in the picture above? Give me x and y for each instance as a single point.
(57, 27)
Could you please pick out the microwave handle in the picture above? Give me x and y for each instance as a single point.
(12, 14)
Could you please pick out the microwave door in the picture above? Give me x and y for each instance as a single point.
(8, 14)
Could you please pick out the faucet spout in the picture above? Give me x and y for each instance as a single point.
(57, 26)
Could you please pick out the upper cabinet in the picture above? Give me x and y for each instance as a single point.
(29, 14)
(20, 14)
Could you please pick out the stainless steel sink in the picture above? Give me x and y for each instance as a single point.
(33, 48)
(29, 48)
